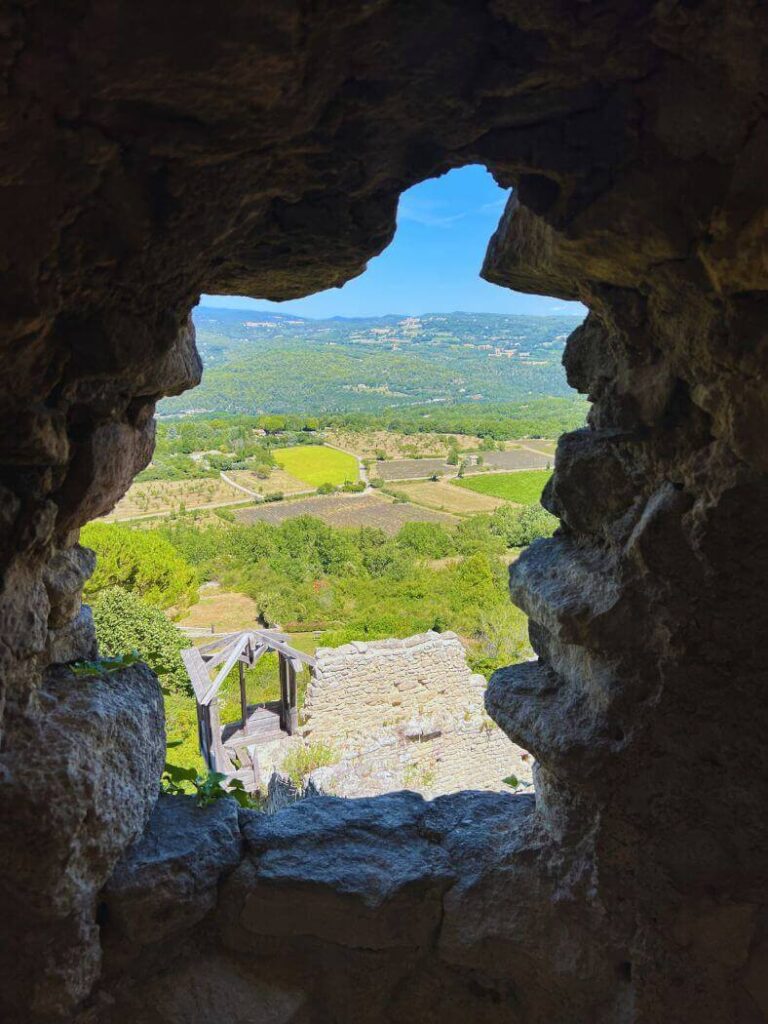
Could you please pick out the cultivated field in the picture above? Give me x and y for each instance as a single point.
(369, 443)
(442, 495)
(523, 488)
(317, 464)
(159, 497)
(410, 469)
(517, 458)
(345, 510)
(278, 480)
(541, 444)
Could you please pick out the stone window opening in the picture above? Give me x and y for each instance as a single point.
(146, 162)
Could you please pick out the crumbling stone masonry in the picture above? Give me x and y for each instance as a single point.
(407, 714)
(150, 152)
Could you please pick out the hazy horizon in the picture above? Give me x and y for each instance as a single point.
(240, 307)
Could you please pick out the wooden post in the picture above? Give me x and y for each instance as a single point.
(243, 697)
(292, 709)
(283, 693)
(204, 733)
(220, 757)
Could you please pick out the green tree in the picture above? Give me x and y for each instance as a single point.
(125, 623)
(141, 561)
(429, 540)
(521, 526)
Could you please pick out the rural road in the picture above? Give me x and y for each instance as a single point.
(360, 464)
(239, 487)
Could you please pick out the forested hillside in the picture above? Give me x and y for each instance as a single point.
(265, 362)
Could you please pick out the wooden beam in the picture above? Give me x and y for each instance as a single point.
(288, 651)
(197, 672)
(219, 656)
(256, 653)
(224, 672)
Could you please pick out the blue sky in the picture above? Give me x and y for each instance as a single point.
(432, 265)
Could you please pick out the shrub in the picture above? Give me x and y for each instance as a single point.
(302, 761)
(141, 561)
(430, 540)
(521, 526)
(124, 623)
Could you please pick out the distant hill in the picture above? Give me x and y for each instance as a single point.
(271, 362)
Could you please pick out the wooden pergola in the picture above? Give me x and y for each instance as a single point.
(232, 748)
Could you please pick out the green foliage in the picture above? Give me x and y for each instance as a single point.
(427, 540)
(301, 761)
(512, 781)
(141, 561)
(475, 534)
(336, 366)
(357, 583)
(500, 638)
(273, 424)
(207, 788)
(521, 526)
(103, 666)
(124, 623)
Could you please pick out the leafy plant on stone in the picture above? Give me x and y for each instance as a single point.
(206, 789)
(100, 666)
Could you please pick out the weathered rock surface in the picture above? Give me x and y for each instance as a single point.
(149, 154)
(345, 910)
(78, 781)
(167, 880)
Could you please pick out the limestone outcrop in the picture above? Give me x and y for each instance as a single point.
(152, 152)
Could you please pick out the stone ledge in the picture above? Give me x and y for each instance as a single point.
(353, 872)
(167, 880)
(550, 717)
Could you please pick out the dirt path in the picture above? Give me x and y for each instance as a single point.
(361, 468)
(239, 487)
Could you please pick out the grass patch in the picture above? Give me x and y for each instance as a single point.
(523, 487)
(317, 464)
(302, 761)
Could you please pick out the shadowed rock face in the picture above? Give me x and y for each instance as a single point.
(150, 152)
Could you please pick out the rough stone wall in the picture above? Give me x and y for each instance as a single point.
(466, 754)
(406, 714)
(420, 681)
(149, 152)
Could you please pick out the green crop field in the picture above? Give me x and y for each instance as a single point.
(524, 487)
(317, 465)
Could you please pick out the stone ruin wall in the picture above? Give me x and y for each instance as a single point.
(150, 153)
(407, 714)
